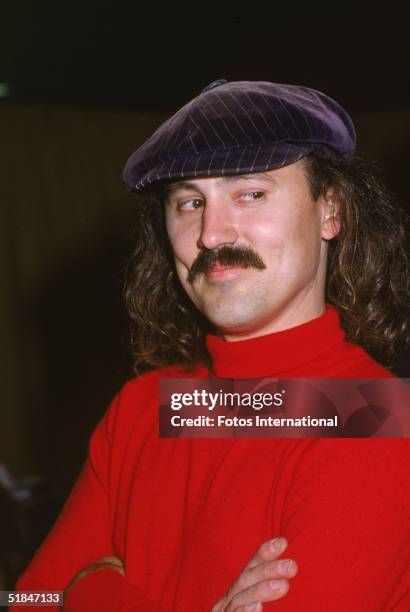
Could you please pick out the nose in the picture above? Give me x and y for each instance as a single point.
(217, 226)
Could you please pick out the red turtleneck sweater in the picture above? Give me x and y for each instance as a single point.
(185, 515)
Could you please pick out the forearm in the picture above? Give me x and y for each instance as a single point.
(106, 590)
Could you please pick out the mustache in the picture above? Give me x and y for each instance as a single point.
(243, 257)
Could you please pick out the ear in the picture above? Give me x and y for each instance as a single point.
(330, 215)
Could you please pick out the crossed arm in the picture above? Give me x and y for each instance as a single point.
(264, 578)
(345, 518)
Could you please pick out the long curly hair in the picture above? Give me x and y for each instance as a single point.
(368, 272)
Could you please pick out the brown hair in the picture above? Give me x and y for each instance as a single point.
(368, 277)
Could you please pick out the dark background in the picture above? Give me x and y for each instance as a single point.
(87, 84)
(109, 53)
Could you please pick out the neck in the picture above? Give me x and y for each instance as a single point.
(288, 317)
(278, 352)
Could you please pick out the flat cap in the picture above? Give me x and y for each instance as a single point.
(241, 127)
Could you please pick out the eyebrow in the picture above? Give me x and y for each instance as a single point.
(223, 179)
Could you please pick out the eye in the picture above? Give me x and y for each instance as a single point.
(252, 196)
(188, 205)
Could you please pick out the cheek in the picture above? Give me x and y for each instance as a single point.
(288, 238)
(182, 243)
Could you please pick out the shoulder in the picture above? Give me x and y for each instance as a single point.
(352, 361)
(149, 381)
(361, 362)
(341, 358)
(137, 402)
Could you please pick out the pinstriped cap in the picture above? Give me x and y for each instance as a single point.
(241, 127)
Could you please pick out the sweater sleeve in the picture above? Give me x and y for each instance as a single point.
(346, 517)
(82, 535)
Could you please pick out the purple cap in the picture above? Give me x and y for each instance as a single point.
(241, 127)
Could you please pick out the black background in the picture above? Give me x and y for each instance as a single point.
(118, 53)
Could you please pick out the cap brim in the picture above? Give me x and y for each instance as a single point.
(238, 160)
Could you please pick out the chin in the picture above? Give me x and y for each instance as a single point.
(230, 323)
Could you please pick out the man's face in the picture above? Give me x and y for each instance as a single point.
(250, 250)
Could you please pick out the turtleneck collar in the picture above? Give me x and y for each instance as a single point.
(276, 353)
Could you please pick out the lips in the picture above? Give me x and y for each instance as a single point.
(221, 272)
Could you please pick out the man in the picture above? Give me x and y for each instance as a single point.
(259, 232)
